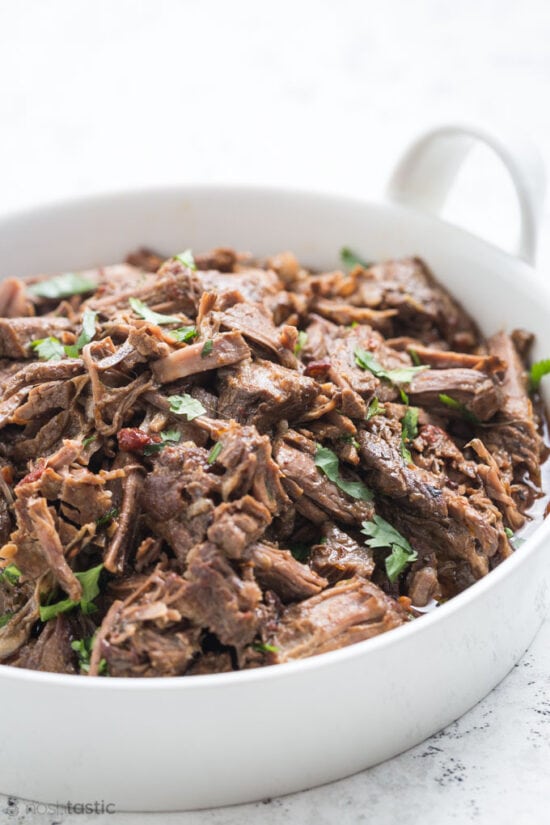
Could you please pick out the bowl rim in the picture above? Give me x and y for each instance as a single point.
(331, 658)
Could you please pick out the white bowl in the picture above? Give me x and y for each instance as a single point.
(165, 744)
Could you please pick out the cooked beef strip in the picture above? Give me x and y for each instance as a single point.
(277, 569)
(311, 487)
(199, 518)
(16, 334)
(262, 393)
(349, 612)
(473, 390)
(515, 434)
(340, 556)
(227, 348)
(13, 299)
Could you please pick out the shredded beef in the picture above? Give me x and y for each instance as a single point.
(224, 462)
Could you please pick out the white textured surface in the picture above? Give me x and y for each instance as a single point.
(319, 94)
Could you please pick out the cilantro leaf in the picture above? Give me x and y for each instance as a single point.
(62, 286)
(400, 375)
(107, 517)
(453, 404)
(350, 259)
(90, 589)
(409, 431)
(150, 315)
(328, 463)
(515, 541)
(538, 370)
(183, 334)
(5, 619)
(374, 408)
(207, 348)
(11, 574)
(83, 648)
(381, 534)
(263, 647)
(414, 357)
(214, 452)
(166, 437)
(88, 328)
(186, 405)
(186, 258)
(301, 341)
(48, 349)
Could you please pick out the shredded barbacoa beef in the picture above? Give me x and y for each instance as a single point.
(221, 463)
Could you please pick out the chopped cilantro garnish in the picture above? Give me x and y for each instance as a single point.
(382, 534)
(374, 408)
(300, 342)
(90, 589)
(414, 358)
(263, 647)
(88, 328)
(186, 405)
(107, 517)
(350, 259)
(5, 619)
(62, 286)
(453, 404)
(327, 462)
(11, 574)
(186, 258)
(538, 370)
(88, 440)
(214, 452)
(49, 349)
(207, 348)
(409, 431)
(150, 315)
(166, 437)
(515, 541)
(349, 439)
(400, 375)
(183, 334)
(83, 648)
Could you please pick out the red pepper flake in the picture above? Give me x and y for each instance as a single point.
(134, 440)
(35, 473)
(316, 368)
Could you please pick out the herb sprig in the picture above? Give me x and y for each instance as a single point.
(459, 407)
(62, 286)
(186, 258)
(381, 534)
(409, 431)
(166, 437)
(351, 259)
(328, 463)
(538, 370)
(186, 405)
(400, 375)
(150, 315)
(89, 579)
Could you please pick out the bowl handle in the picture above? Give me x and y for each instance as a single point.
(425, 173)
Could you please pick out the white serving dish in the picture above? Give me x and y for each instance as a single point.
(165, 744)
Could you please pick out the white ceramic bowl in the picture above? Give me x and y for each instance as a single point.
(165, 744)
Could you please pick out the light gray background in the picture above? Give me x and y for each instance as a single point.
(101, 95)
